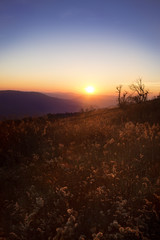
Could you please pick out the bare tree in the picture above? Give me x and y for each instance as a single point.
(139, 88)
(119, 90)
(124, 98)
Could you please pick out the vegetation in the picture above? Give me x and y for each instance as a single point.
(139, 94)
(139, 89)
(93, 175)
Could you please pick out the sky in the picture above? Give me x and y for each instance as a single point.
(66, 45)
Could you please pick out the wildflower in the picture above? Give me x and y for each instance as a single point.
(17, 206)
(111, 141)
(124, 202)
(40, 202)
(100, 234)
(121, 229)
(129, 125)
(70, 211)
(97, 236)
(141, 156)
(144, 185)
(82, 237)
(71, 220)
(115, 224)
(61, 145)
(100, 190)
(97, 145)
(12, 235)
(64, 191)
(110, 175)
(145, 179)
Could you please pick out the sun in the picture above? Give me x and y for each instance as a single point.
(90, 89)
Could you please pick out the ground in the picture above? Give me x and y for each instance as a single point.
(93, 175)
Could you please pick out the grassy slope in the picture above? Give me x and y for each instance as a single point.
(92, 175)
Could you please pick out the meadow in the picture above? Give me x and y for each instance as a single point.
(87, 176)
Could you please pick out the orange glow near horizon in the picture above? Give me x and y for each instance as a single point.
(76, 87)
(74, 45)
(42, 68)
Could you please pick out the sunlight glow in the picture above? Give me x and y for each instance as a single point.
(90, 89)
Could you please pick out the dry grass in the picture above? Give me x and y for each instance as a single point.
(90, 176)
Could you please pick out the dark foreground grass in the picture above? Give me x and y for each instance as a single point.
(88, 176)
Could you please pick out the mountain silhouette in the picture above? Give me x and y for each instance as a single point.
(18, 104)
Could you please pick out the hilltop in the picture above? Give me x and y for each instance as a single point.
(91, 175)
(18, 104)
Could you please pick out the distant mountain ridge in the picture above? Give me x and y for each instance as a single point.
(18, 104)
(86, 100)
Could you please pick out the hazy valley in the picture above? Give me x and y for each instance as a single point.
(18, 104)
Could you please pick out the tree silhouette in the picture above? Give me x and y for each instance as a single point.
(119, 90)
(139, 88)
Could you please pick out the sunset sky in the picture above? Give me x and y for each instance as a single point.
(66, 45)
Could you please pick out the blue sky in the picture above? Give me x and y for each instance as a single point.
(65, 45)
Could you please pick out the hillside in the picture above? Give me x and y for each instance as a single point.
(85, 176)
(17, 104)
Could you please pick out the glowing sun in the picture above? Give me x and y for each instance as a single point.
(90, 89)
